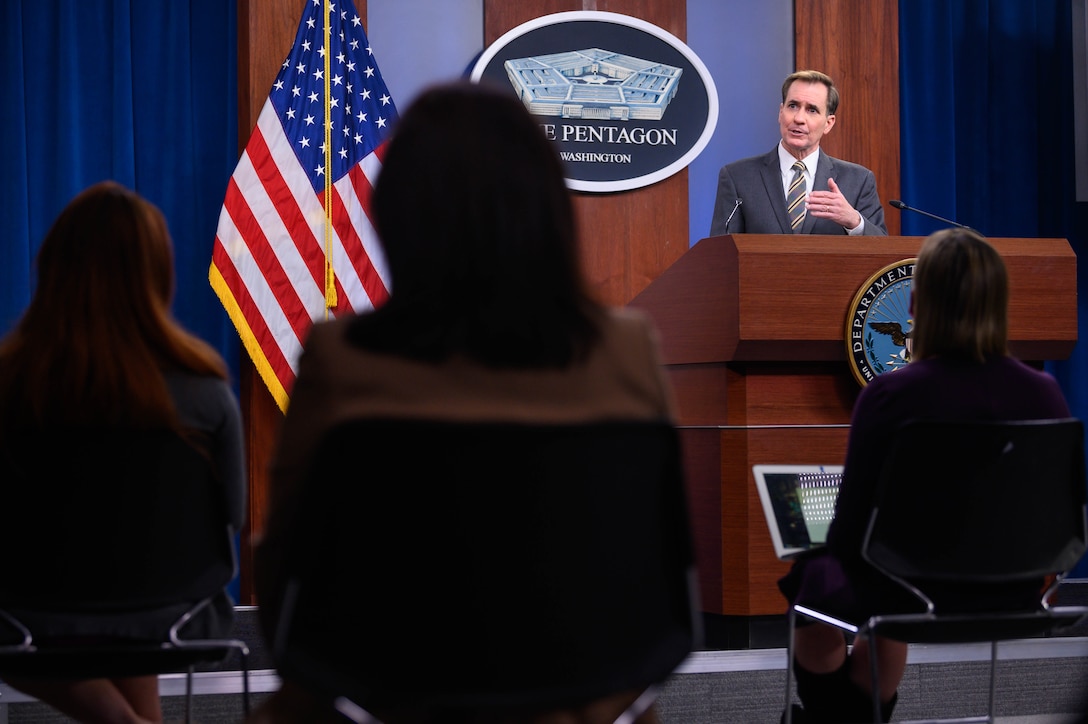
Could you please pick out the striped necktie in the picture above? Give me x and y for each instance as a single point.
(795, 206)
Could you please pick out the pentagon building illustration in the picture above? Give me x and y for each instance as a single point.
(594, 84)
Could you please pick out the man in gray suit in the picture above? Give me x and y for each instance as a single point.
(841, 196)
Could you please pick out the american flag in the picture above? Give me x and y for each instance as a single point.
(277, 266)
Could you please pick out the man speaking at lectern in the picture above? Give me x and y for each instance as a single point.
(796, 188)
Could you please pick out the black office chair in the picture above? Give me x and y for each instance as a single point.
(103, 527)
(450, 567)
(973, 505)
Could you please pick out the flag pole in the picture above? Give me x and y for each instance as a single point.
(330, 274)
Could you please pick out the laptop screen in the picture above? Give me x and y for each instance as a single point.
(798, 504)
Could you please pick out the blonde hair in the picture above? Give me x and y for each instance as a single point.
(961, 298)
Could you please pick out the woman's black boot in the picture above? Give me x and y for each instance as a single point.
(832, 698)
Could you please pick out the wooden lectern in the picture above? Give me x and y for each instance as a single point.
(753, 336)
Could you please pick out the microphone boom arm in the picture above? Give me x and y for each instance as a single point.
(903, 207)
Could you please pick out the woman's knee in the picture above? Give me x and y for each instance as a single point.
(819, 648)
(891, 659)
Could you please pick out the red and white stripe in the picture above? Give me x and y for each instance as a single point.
(268, 262)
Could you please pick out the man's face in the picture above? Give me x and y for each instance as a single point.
(803, 118)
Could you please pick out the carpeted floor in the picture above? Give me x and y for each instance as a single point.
(1038, 682)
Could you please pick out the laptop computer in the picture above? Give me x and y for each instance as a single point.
(798, 503)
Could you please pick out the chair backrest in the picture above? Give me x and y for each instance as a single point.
(980, 502)
(533, 564)
(106, 519)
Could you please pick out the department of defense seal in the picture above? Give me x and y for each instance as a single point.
(879, 325)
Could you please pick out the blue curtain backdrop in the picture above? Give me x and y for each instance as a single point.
(986, 96)
(101, 90)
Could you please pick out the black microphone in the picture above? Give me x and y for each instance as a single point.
(903, 207)
(731, 213)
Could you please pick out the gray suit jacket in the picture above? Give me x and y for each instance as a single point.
(757, 181)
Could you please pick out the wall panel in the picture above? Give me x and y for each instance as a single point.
(856, 42)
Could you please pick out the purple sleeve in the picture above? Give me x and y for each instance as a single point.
(869, 427)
